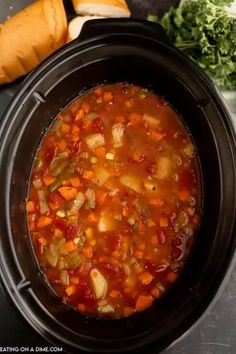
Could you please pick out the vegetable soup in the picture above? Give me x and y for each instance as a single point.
(114, 200)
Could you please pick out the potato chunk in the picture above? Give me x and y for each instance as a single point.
(106, 309)
(94, 140)
(118, 134)
(152, 121)
(101, 175)
(99, 283)
(106, 223)
(163, 168)
(131, 182)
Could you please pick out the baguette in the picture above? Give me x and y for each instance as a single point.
(76, 25)
(105, 8)
(30, 36)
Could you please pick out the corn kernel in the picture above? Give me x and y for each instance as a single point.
(110, 156)
(89, 232)
(60, 213)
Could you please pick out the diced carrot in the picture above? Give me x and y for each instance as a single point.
(126, 211)
(92, 242)
(171, 277)
(58, 233)
(195, 218)
(70, 246)
(47, 180)
(31, 217)
(135, 156)
(79, 115)
(70, 290)
(65, 182)
(98, 92)
(68, 193)
(88, 174)
(101, 197)
(74, 279)
(157, 136)
(156, 201)
(30, 206)
(145, 278)
(141, 246)
(87, 124)
(183, 195)
(75, 182)
(115, 294)
(150, 222)
(89, 233)
(164, 222)
(138, 157)
(154, 240)
(120, 119)
(93, 218)
(100, 152)
(138, 254)
(43, 221)
(128, 311)
(32, 226)
(82, 307)
(134, 118)
(129, 103)
(155, 292)
(62, 145)
(116, 254)
(75, 129)
(65, 128)
(53, 206)
(85, 107)
(143, 302)
(141, 227)
(43, 241)
(107, 96)
(87, 252)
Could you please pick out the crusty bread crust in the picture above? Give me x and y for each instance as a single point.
(27, 38)
(109, 8)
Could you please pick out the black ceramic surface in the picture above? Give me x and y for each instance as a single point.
(222, 346)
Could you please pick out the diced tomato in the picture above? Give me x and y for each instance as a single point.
(85, 269)
(113, 242)
(71, 231)
(97, 125)
(61, 223)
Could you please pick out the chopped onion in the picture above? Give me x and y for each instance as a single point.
(43, 206)
(95, 140)
(91, 198)
(38, 184)
(106, 309)
(64, 278)
(77, 202)
(90, 116)
(118, 134)
(151, 120)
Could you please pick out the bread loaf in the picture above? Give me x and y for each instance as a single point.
(76, 25)
(105, 8)
(27, 38)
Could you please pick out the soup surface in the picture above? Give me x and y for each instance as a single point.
(114, 200)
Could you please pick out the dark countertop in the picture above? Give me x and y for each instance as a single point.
(215, 334)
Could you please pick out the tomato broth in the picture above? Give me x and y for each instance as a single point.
(114, 200)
